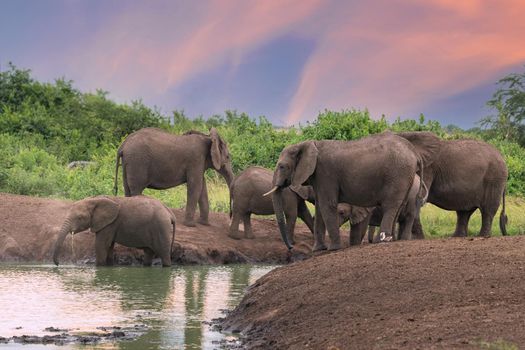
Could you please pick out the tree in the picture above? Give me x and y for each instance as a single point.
(509, 103)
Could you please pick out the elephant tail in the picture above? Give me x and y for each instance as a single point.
(117, 163)
(503, 219)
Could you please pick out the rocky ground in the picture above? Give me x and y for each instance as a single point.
(29, 227)
(434, 294)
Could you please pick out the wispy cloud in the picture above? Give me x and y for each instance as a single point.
(144, 48)
(396, 56)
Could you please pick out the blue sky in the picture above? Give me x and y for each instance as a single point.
(285, 59)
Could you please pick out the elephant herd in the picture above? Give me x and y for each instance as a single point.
(380, 180)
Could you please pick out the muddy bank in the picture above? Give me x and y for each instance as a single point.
(29, 227)
(438, 294)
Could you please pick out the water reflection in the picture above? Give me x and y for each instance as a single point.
(173, 303)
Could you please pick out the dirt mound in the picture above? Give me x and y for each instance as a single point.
(29, 227)
(452, 293)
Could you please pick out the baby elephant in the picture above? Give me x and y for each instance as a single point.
(361, 217)
(247, 198)
(138, 222)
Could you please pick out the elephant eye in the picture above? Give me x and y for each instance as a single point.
(281, 166)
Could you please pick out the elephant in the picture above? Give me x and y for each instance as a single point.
(361, 217)
(375, 170)
(138, 222)
(247, 198)
(154, 158)
(462, 175)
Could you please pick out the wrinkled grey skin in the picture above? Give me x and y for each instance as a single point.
(154, 158)
(462, 175)
(373, 216)
(376, 170)
(138, 222)
(247, 198)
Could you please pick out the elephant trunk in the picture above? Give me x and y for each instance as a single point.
(277, 200)
(64, 230)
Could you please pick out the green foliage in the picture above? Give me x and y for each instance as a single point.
(509, 103)
(44, 126)
(345, 125)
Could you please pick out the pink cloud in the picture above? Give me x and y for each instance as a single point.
(144, 49)
(392, 58)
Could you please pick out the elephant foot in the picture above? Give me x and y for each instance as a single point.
(384, 238)
(204, 222)
(334, 246)
(318, 247)
(459, 234)
(189, 223)
(234, 236)
(249, 236)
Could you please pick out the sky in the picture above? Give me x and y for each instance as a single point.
(285, 59)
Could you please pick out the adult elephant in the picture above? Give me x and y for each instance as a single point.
(375, 170)
(138, 222)
(154, 158)
(462, 175)
(247, 198)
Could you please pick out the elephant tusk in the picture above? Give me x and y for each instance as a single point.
(275, 188)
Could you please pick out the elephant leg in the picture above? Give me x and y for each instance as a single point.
(371, 233)
(204, 205)
(304, 214)
(234, 226)
(103, 242)
(109, 259)
(417, 228)
(330, 218)
(387, 227)
(357, 232)
(194, 191)
(164, 253)
(319, 229)
(405, 226)
(148, 256)
(487, 215)
(248, 233)
(463, 217)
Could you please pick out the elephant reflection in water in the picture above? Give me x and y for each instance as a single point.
(240, 280)
(140, 289)
(194, 295)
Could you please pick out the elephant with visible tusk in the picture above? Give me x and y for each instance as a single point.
(154, 158)
(247, 198)
(138, 222)
(375, 170)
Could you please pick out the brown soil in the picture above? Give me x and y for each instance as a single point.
(29, 227)
(437, 294)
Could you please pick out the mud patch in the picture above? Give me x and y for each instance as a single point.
(102, 335)
(29, 228)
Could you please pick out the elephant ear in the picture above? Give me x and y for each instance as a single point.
(215, 150)
(105, 211)
(426, 144)
(358, 214)
(305, 163)
(301, 191)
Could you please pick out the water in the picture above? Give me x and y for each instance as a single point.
(171, 302)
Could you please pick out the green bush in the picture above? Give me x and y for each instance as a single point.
(44, 126)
